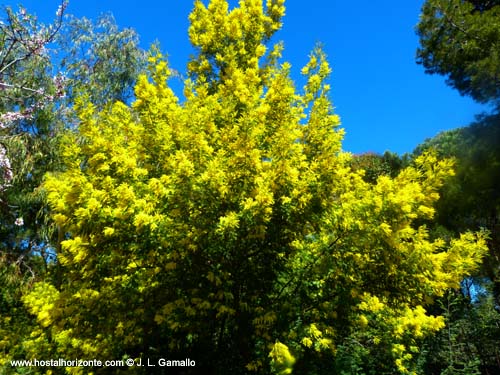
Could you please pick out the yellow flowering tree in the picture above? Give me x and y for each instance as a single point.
(229, 228)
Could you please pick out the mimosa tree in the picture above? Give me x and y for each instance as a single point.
(228, 227)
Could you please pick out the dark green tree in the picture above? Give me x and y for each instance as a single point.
(461, 40)
(469, 342)
(375, 165)
(471, 199)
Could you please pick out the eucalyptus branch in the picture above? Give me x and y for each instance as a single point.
(9, 50)
(4, 86)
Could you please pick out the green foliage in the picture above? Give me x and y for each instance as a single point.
(375, 165)
(16, 275)
(459, 39)
(470, 200)
(100, 59)
(473, 199)
(469, 343)
(460, 357)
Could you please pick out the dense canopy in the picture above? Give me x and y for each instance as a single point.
(459, 39)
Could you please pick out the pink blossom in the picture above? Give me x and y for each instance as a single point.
(5, 169)
(59, 83)
(8, 118)
(61, 8)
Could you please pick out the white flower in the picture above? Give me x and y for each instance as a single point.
(5, 169)
(19, 222)
(61, 8)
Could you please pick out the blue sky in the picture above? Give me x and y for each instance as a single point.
(385, 100)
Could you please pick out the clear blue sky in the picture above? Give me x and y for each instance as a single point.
(385, 100)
